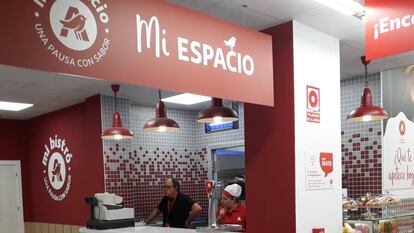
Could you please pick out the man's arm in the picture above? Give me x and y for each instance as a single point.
(195, 212)
(160, 208)
(152, 216)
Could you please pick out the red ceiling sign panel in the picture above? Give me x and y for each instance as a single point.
(389, 28)
(146, 42)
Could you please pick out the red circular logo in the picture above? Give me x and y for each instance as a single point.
(402, 128)
(313, 99)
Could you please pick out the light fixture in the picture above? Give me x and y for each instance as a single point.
(116, 132)
(367, 111)
(217, 113)
(13, 106)
(186, 99)
(347, 7)
(161, 123)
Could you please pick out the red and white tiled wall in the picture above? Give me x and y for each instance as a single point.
(136, 169)
(361, 142)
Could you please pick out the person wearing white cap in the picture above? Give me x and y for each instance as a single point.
(231, 211)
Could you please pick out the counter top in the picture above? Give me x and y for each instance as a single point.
(141, 229)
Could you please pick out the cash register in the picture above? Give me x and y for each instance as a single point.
(107, 211)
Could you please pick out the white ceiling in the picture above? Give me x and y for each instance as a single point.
(49, 91)
(46, 91)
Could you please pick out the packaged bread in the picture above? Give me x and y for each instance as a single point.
(363, 201)
(370, 201)
(390, 200)
(374, 202)
(348, 203)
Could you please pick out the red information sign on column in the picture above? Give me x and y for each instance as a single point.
(313, 109)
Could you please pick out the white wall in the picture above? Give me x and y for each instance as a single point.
(316, 63)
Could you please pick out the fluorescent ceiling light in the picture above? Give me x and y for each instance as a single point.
(187, 99)
(11, 106)
(347, 7)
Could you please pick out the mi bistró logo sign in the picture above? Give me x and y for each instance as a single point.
(56, 161)
(199, 53)
(80, 26)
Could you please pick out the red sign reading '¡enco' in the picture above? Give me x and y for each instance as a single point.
(389, 28)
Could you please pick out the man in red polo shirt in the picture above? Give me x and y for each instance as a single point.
(231, 211)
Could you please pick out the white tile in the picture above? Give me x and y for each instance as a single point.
(328, 21)
(7, 87)
(283, 9)
(195, 4)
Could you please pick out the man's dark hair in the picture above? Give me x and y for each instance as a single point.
(176, 184)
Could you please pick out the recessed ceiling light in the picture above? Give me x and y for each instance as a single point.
(187, 99)
(347, 7)
(12, 106)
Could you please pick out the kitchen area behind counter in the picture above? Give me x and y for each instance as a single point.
(136, 169)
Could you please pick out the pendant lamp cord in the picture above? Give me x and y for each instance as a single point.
(366, 75)
(116, 101)
(244, 5)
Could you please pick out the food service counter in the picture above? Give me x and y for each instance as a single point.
(141, 229)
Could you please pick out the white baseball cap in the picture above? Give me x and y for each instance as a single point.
(233, 190)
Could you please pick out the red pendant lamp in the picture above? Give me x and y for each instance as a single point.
(217, 113)
(116, 132)
(161, 123)
(367, 111)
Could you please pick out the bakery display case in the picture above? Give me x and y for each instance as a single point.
(378, 214)
(369, 204)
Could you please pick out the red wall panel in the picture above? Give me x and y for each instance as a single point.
(12, 139)
(270, 146)
(80, 126)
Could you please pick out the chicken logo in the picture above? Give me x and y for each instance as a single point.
(402, 128)
(57, 159)
(231, 43)
(56, 172)
(74, 24)
(74, 21)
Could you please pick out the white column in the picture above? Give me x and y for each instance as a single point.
(317, 64)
